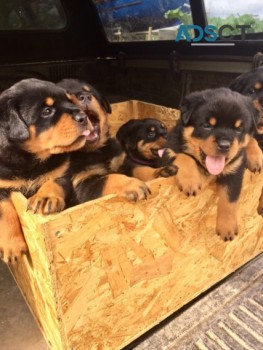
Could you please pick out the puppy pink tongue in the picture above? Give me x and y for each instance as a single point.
(86, 133)
(215, 165)
(90, 135)
(161, 152)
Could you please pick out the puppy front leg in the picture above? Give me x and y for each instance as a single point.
(254, 156)
(124, 186)
(97, 186)
(226, 222)
(12, 242)
(229, 188)
(146, 173)
(50, 198)
(189, 179)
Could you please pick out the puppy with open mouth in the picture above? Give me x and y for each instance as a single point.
(94, 105)
(214, 129)
(95, 168)
(144, 142)
(39, 127)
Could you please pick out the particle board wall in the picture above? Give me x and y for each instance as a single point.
(104, 272)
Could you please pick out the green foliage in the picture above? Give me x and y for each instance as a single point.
(185, 18)
(232, 20)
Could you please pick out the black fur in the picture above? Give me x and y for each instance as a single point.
(39, 126)
(22, 106)
(136, 130)
(251, 84)
(75, 86)
(214, 129)
(101, 158)
(245, 83)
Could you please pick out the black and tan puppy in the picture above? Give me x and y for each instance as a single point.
(95, 167)
(39, 125)
(251, 84)
(211, 136)
(144, 142)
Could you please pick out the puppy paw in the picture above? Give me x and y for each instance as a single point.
(124, 186)
(226, 232)
(167, 171)
(188, 177)
(254, 156)
(254, 164)
(136, 190)
(41, 204)
(189, 184)
(12, 249)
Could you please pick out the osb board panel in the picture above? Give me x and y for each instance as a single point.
(134, 109)
(34, 277)
(120, 268)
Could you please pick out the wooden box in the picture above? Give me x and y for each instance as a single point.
(103, 273)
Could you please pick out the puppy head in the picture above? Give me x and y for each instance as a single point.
(39, 117)
(217, 124)
(145, 138)
(95, 106)
(251, 84)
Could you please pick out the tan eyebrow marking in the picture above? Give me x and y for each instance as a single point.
(212, 121)
(258, 86)
(85, 88)
(49, 101)
(238, 123)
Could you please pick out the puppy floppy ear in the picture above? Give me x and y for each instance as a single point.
(105, 104)
(239, 84)
(189, 104)
(126, 134)
(17, 128)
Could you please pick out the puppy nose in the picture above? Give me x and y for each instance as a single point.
(223, 145)
(80, 117)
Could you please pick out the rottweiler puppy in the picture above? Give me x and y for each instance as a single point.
(39, 126)
(95, 166)
(144, 142)
(251, 84)
(211, 136)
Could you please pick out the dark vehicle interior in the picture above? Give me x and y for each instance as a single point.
(158, 71)
(57, 39)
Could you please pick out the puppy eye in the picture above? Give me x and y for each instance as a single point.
(251, 91)
(207, 126)
(240, 129)
(151, 135)
(81, 98)
(48, 112)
